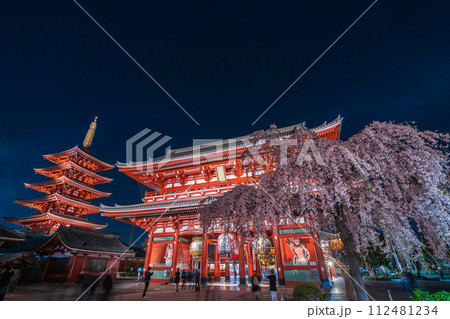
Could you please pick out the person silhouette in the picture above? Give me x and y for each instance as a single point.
(5, 278)
(147, 277)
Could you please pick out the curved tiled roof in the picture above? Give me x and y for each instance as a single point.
(30, 245)
(77, 238)
(54, 216)
(223, 145)
(72, 165)
(76, 150)
(8, 233)
(66, 180)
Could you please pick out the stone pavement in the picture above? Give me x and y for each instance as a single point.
(338, 290)
(131, 290)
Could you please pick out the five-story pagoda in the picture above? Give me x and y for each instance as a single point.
(68, 193)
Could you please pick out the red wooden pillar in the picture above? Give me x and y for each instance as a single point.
(320, 260)
(190, 262)
(227, 272)
(258, 267)
(176, 241)
(251, 269)
(216, 263)
(149, 249)
(278, 257)
(242, 280)
(72, 265)
(333, 271)
(204, 263)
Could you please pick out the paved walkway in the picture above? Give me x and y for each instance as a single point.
(338, 290)
(131, 290)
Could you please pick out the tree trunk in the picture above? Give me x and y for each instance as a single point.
(350, 253)
(371, 269)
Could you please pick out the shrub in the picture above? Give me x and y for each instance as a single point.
(309, 292)
(420, 295)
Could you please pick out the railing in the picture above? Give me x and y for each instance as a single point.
(302, 275)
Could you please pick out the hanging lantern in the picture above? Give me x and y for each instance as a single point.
(196, 248)
(228, 247)
(261, 246)
(336, 244)
(268, 259)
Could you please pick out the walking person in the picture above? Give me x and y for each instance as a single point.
(5, 278)
(79, 283)
(273, 285)
(255, 286)
(190, 279)
(197, 280)
(107, 286)
(84, 287)
(147, 277)
(93, 283)
(177, 279)
(184, 278)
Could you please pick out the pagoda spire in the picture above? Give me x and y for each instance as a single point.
(90, 135)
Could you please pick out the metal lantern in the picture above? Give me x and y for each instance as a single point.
(228, 247)
(262, 246)
(196, 248)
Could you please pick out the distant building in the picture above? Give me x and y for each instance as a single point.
(133, 263)
(9, 238)
(69, 252)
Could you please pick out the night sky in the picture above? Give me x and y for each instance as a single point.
(224, 61)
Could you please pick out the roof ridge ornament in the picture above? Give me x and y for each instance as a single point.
(90, 135)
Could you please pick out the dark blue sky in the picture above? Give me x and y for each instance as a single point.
(225, 62)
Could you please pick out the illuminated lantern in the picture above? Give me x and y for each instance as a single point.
(228, 247)
(336, 244)
(261, 246)
(196, 248)
(267, 259)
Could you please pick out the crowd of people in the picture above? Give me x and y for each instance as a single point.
(191, 280)
(87, 284)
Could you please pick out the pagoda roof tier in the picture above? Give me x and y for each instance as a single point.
(60, 218)
(43, 203)
(78, 156)
(51, 187)
(75, 172)
(152, 209)
(184, 156)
